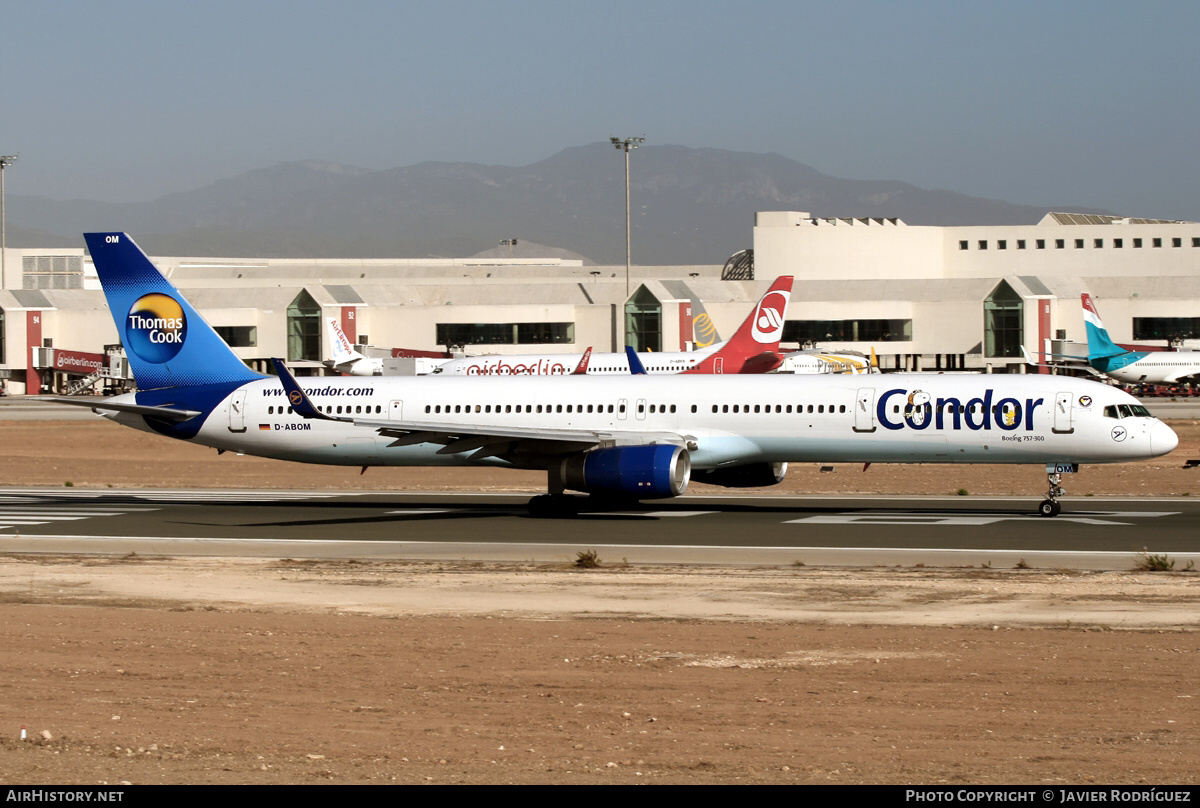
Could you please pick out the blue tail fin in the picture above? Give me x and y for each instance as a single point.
(168, 343)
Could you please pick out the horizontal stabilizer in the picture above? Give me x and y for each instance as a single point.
(163, 413)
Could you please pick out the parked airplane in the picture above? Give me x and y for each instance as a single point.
(1124, 365)
(628, 437)
(814, 361)
(753, 349)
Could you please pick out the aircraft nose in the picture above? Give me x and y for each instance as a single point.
(1162, 439)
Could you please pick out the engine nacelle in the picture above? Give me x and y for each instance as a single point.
(752, 475)
(656, 471)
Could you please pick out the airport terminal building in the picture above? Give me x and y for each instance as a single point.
(921, 297)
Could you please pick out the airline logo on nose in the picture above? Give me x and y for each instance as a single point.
(768, 318)
(155, 328)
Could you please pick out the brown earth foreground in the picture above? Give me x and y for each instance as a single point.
(154, 670)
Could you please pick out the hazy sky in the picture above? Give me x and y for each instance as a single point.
(1088, 103)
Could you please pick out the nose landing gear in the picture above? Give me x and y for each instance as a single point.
(1050, 506)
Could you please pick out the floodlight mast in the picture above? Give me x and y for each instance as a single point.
(626, 145)
(6, 160)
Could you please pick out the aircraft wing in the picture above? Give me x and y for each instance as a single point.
(163, 413)
(483, 440)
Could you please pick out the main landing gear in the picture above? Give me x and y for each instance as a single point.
(1050, 506)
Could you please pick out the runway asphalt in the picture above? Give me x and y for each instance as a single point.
(1091, 533)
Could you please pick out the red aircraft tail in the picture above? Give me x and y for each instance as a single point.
(755, 346)
(581, 368)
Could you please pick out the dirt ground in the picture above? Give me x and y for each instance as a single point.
(156, 670)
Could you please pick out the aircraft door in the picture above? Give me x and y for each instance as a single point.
(621, 409)
(1062, 414)
(864, 410)
(641, 409)
(237, 412)
(396, 410)
(718, 364)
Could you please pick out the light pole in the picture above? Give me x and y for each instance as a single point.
(5, 161)
(626, 145)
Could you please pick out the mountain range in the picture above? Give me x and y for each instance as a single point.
(690, 206)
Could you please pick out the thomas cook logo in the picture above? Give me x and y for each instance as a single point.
(768, 318)
(155, 328)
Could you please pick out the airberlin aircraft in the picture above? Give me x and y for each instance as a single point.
(615, 437)
(753, 349)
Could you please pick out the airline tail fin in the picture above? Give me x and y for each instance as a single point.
(755, 346)
(704, 333)
(581, 368)
(167, 341)
(636, 367)
(1100, 344)
(341, 350)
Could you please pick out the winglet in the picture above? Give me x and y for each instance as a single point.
(635, 364)
(296, 397)
(581, 368)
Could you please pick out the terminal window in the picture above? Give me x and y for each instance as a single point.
(505, 333)
(1166, 327)
(1118, 243)
(238, 336)
(847, 330)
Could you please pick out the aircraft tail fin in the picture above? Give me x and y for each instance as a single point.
(1100, 344)
(704, 333)
(758, 335)
(635, 363)
(168, 343)
(341, 350)
(581, 368)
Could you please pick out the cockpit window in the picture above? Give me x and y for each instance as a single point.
(1126, 411)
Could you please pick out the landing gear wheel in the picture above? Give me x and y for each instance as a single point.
(1050, 508)
(1050, 505)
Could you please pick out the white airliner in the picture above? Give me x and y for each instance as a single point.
(343, 356)
(616, 437)
(753, 349)
(1124, 365)
(814, 361)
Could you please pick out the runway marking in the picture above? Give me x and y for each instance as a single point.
(962, 519)
(25, 515)
(32, 495)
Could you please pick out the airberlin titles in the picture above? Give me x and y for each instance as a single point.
(921, 411)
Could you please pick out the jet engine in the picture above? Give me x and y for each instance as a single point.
(656, 471)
